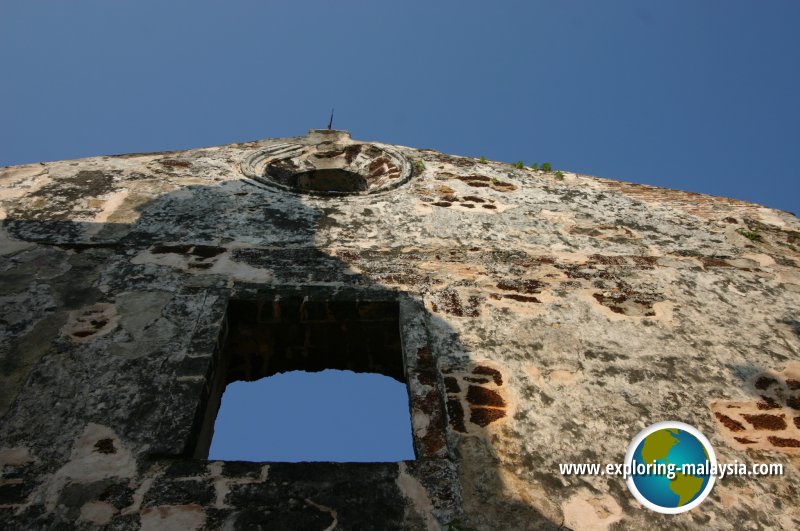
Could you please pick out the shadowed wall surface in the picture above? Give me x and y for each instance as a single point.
(543, 319)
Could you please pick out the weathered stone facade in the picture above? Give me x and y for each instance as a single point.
(544, 319)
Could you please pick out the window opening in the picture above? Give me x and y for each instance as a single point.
(309, 380)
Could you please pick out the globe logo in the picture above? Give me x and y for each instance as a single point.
(671, 466)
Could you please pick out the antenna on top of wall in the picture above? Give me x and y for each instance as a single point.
(330, 122)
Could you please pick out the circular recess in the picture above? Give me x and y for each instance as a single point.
(331, 180)
(328, 168)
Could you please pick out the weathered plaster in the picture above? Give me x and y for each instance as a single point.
(558, 318)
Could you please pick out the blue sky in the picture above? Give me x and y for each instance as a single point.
(695, 95)
(320, 416)
(701, 96)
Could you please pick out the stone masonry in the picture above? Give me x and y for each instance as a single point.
(543, 318)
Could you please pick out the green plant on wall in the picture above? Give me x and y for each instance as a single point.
(560, 175)
(546, 166)
(419, 166)
(482, 160)
(519, 165)
(456, 525)
(534, 166)
(752, 236)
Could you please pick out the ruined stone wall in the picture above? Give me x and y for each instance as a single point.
(544, 319)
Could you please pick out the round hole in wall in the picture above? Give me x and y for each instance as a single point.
(330, 180)
(328, 164)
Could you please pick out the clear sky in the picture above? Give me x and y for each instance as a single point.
(320, 416)
(697, 95)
